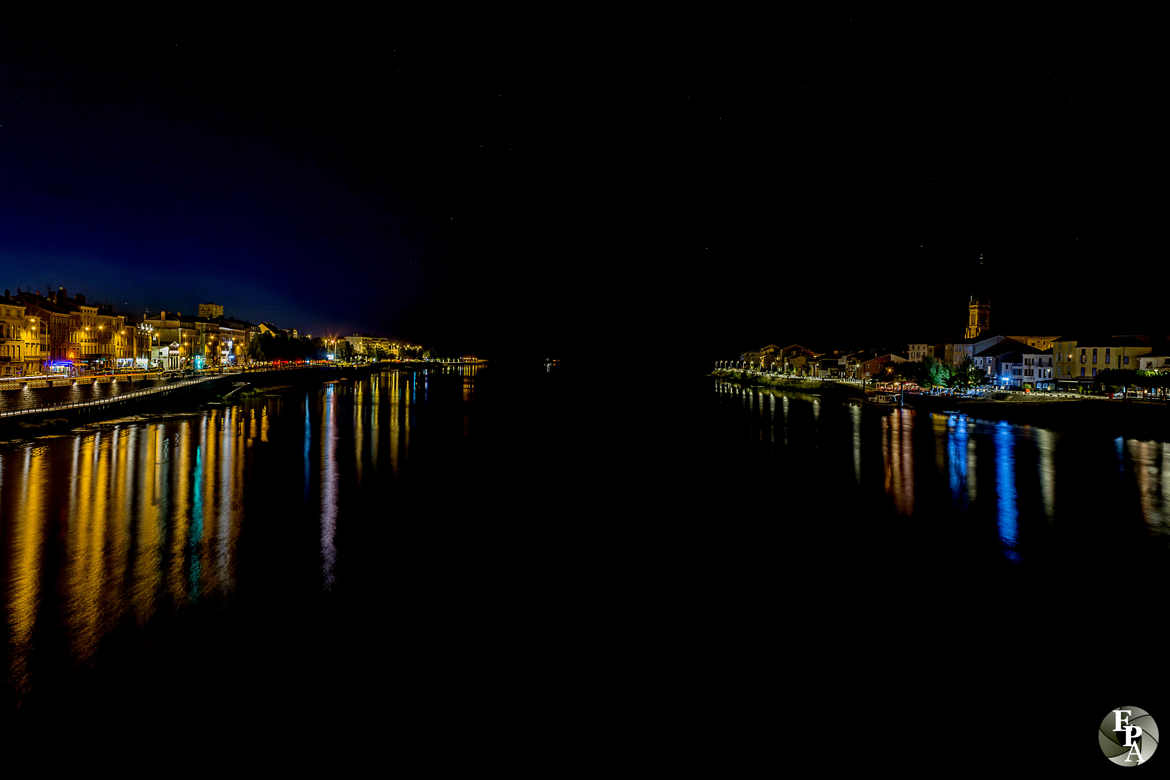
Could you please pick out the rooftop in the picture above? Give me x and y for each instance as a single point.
(1004, 347)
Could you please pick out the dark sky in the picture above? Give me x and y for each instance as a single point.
(678, 187)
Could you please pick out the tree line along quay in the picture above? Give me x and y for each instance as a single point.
(55, 334)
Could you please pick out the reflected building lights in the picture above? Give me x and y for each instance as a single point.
(328, 485)
(1007, 512)
(960, 464)
(899, 459)
(1045, 446)
(784, 417)
(1152, 475)
(358, 428)
(855, 416)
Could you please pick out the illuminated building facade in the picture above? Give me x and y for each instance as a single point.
(376, 346)
(920, 352)
(1037, 370)
(1078, 359)
(12, 338)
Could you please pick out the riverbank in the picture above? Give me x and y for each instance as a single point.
(188, 394)
(1130, 418)
(810, 386)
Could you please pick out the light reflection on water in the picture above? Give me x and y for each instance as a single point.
(924, 455)
(1005, 487)
(111, 524)
(898, 451)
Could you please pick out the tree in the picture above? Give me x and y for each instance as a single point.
(930, 372)
(966, 375)
(935, 373)
(256, 348)
(1118, 378)
(344, 350)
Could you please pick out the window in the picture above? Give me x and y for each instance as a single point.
(1082, 370)
(1125, 360)
(1106, 354)
(1094, 357)
(1082, 360)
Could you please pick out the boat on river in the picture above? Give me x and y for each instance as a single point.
(883, 399)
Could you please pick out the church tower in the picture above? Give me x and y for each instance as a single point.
(978, 310)
(978, 317)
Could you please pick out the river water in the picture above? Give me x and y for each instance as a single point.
(565, 541)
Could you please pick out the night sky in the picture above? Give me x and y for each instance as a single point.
(672, 188)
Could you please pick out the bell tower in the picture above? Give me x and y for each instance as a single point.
(978, 317)
(978, 310)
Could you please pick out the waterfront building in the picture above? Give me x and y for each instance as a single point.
(829, 367)
(1036, 371)
(1078, 359)
(35, 352)
(798, 359)
(234, 337)
(881, 365)
(178, 337)
(852, 362)
(125, 344)
(97, 336)
(1000, 361)
(205, 347)
(377, 346)
(1159, 363)
(13, 323)
(57, 349)
(955, 353)
(917, 353)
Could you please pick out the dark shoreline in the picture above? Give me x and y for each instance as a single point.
(1133, 419)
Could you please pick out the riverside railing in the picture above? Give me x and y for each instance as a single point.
(171, 386)
(162, 390)
(120, 398)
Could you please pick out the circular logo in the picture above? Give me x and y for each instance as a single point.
(1128, 736)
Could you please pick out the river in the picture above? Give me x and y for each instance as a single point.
(439, 537)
